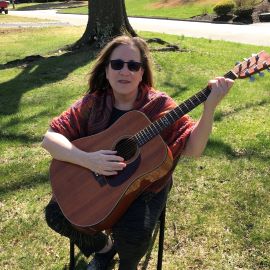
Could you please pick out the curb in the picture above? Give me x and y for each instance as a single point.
(188, 20)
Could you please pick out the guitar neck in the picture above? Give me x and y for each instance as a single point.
(155, 128)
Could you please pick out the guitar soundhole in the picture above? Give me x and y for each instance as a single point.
(126, 148)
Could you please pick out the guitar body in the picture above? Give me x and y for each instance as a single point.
(94, 203)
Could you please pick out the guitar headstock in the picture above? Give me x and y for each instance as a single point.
(255, 64)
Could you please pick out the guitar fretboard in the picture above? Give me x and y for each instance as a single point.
(155, 128)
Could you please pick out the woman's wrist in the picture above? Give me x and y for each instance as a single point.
(208, 112)
(83, 159)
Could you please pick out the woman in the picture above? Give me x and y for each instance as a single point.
(120, 81)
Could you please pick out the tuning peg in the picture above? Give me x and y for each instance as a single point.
(237, 63)
(265, 65)
(257, 57)
(247, 73)
(239, 66)
(261, 74)
(251, 78)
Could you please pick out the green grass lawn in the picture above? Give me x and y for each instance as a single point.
(135, 8)
(218, 210)
(147, 8)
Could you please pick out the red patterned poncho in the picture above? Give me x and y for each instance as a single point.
(91, 115)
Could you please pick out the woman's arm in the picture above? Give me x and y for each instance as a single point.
(201, 131)
(104, 162)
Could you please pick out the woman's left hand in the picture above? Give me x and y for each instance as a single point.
(220, 87)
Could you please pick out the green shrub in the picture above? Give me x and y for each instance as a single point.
(224, 7)
(243, 12)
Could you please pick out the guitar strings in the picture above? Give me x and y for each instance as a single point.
(130, 145)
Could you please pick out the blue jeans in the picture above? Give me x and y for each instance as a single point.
(132, 233)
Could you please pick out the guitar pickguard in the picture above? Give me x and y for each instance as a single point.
(122, 176)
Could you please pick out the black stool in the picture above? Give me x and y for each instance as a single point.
(160, 244)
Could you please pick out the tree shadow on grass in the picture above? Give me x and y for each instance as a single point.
(22, 138)
(25, 183)
(218, 147)
(220, 114)
(37, 74)
(12, 137)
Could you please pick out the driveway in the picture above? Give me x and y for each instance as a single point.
(257, 34)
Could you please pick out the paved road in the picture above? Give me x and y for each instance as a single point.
(257, 34)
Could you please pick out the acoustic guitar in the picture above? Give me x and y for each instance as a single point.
(93, 202)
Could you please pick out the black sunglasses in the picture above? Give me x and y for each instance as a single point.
(118, 64)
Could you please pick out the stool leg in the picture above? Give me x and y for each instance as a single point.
(161, 238)
(71, 256)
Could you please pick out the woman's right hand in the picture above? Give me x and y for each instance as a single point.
(104, 162)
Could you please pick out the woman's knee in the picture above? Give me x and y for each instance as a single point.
(54, 217)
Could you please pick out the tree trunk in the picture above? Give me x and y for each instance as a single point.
(106, 19)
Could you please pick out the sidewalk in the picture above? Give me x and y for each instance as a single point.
(33, 24)
(256, 34)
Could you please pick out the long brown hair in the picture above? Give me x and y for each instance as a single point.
(98, 80)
